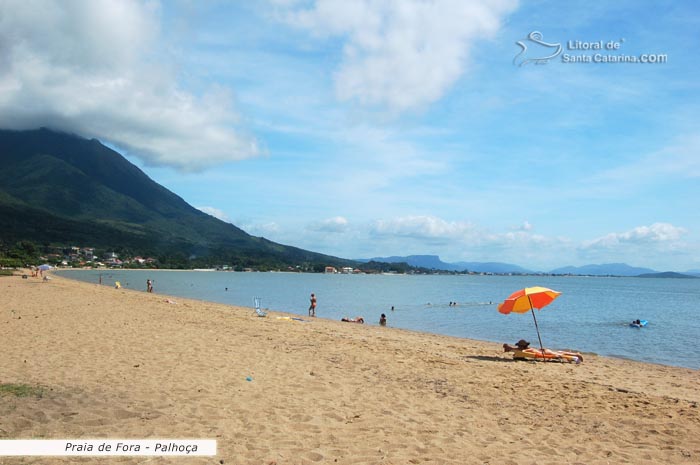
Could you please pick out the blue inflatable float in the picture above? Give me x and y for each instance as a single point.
(639, 323)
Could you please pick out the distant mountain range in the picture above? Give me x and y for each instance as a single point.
(433, 262)
(668, 274)
(609, 269)
(62, 189)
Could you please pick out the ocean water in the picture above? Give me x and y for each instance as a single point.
(591, 315)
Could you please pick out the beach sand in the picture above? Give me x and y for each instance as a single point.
(122, 364)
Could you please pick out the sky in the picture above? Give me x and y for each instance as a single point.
(491, 130)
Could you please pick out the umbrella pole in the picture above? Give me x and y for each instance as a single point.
(532, 310)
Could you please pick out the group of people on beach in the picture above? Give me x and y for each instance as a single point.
(358, 319)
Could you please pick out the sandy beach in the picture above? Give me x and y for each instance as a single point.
(110, 363)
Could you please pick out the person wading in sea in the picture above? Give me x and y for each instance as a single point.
(312, 307)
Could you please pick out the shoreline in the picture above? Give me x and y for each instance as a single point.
(373, 323)
(121, 363)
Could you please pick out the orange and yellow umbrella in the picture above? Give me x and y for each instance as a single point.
(528, 299)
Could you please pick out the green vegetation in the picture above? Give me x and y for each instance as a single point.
(21, 390)
(59, 190)
(383, 267)
(19, 254)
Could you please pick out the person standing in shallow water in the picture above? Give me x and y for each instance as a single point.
(312, 306)
(149, 285)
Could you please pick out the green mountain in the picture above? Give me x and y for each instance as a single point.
(58, 188)
(667, 274)
(607, 269)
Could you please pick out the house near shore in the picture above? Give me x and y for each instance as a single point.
(112, 260)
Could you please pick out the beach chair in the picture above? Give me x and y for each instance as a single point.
(259, 311)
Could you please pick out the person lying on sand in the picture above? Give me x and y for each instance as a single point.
(358, 319)
(522, 346)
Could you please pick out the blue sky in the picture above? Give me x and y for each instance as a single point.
(362, 129)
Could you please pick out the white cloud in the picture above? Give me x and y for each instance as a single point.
(427, 227)
(95, 68)
(215, 212)
(656, 233)
(526, 226)
(463, 241)
(660, 246)
(337, 224)
(466, 241)
(402, 53)
(458, 233)
(269, 229)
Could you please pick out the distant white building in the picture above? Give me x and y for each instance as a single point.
(112, 260)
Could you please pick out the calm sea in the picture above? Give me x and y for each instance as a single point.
(591, 315)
